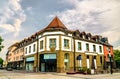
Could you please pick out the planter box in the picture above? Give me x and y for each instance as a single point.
(70, 72)
(92, 71)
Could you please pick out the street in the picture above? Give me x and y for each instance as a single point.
(16, 74)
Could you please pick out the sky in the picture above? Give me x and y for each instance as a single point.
(20, 19)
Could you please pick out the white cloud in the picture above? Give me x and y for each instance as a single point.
(29, 8)
(95, 16)
(117, 48)
(12, 17)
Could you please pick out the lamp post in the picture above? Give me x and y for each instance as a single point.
(110, 63)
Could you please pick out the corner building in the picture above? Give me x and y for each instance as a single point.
(58, 49)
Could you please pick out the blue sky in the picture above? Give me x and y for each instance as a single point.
(21, 18)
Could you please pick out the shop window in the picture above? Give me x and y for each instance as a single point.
(66, 61)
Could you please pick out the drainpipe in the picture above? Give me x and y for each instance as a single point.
(74, 55)
(37, 55)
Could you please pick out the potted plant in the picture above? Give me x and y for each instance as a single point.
(88, 71)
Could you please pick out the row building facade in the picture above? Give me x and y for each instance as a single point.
(58, 49)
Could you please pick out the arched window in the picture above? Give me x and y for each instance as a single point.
(66, 61)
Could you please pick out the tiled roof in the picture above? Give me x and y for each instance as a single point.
(56, 23)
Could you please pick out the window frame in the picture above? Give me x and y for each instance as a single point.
(34, 47)
(52, 42)
(66, 43)
(41, 44)
(29, 49)
(79, 46)
(94, 48)
(87, 47)
(100, 49)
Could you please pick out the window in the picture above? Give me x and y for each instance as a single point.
(34, 46)
(94, 48)
(88, 38)
(87, 47)
(26, 50)
(41, 44)
(29, 49)
(108, 49)
(66, 43)
(87, 56)
(100, 48)
(66, 56)
(83, 36)
(20, 57)
(79, 46)
(52, 43)
(94, 57)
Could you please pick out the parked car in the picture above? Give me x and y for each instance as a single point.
(9, 69)
(1, 67)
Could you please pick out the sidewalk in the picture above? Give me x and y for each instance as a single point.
(21, 74)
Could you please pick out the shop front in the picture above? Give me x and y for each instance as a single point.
(48, 63)
(29, 63)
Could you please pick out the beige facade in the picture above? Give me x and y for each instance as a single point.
(15, 56)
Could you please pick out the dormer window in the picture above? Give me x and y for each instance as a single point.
(88, 38)
(96, 40)
(83, 36)
(36, 37)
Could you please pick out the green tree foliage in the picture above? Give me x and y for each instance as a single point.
(117, 57)
(1, 61)
(1, 46)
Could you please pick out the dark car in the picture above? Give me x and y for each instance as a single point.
(1, 67)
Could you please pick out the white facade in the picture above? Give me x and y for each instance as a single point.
(70, 43)
(32, 52)
(83, 47)
(40, 50)
(52, 35)
(48, 42)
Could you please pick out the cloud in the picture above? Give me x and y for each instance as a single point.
(12, 16)
(98, 17)
(29, 8)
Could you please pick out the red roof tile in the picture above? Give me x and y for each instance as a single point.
(56, 23)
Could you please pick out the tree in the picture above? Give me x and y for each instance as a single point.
(1, 46)
(1, 62)
(117, 58)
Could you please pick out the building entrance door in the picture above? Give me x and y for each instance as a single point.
(50, 66)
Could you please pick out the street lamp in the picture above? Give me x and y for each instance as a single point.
(110, 62)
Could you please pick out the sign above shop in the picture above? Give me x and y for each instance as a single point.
(30, 59)
(49, 56)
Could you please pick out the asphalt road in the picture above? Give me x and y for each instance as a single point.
(28, 75)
